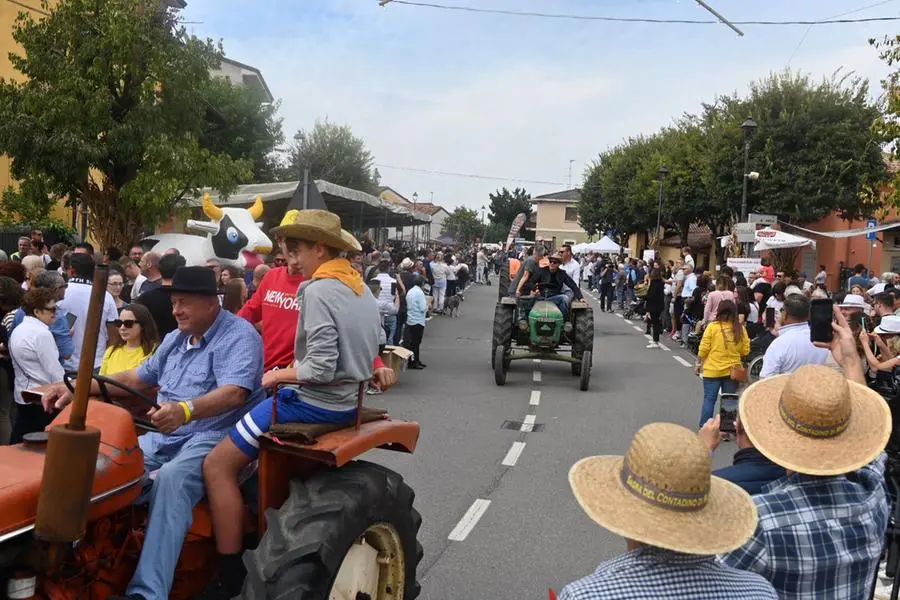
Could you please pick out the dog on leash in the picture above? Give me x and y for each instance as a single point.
(451, 307)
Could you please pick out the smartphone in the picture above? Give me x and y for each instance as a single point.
(728, 410)
(821, 314)
(32, 397)
(770, 317)
(70, 318)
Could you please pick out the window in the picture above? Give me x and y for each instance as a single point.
(571, 213)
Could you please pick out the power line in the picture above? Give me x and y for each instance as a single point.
(467, 175)
(541, 15)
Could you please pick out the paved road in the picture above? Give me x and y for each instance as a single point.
(531, 534)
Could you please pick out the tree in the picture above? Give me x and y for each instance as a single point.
(504, 207)
(887, 126)
(247, 128)
(110, 113)
(464, 225)
(331, 152)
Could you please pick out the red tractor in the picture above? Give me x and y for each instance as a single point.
(327, 526)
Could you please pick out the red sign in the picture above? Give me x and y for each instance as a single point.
(766, 234)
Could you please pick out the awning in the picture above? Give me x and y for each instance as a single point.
(772, 239)
(845, 233)
(604, 245)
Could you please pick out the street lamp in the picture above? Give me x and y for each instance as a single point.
(415, 200)
(663, 173)
(749, 126)
(483, 227)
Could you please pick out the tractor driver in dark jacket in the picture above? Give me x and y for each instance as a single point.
(551, 280)
(337, 340)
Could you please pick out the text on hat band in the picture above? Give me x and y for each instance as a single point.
(652, 494)
(810, 429)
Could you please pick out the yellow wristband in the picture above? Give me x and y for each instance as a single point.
(187, 412)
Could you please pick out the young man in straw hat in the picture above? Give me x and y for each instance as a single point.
(821, 528)
(675, 517)
(332, 357)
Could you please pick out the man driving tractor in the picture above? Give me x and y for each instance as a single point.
(550, 283)
(337, 340)
(209, 372)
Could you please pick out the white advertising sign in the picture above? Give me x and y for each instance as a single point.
(744, 265)
(649, 255)
(746, 232)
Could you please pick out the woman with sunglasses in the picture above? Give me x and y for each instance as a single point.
(35, 359)
(136, 341)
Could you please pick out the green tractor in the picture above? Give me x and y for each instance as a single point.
(542, 332)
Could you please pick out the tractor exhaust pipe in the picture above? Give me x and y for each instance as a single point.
(72, 449)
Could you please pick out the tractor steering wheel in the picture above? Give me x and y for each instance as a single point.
(103, 381)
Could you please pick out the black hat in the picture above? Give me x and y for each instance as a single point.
(194, 280)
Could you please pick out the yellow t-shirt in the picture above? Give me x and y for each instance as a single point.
(123, 358)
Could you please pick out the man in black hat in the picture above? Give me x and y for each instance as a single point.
(208, 372)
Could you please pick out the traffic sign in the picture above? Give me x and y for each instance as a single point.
(762, 219)
(871, 225)
(746, 232)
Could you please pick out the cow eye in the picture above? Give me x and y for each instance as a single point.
(232, 234)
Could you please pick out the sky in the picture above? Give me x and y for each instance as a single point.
(518, 98)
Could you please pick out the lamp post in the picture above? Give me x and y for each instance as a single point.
(663, 173)
(749, 126)
(415, 200)
(483, 228)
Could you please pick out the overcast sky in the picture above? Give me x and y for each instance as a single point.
(516, 97)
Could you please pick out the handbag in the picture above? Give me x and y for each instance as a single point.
(739, 373)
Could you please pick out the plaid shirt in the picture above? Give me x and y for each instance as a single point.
(819, 537)
(654, 573)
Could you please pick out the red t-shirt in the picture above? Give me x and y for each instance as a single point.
(275, 304)
(768, 273)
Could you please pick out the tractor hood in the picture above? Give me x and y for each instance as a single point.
(544, 309)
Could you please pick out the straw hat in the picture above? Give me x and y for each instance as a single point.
(662, 493)
(314, 225)
(815, 421)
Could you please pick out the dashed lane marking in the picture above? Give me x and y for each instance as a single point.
(528, 423)
(630, 322)
(513, 455)
(536, 376)
(649, 337)
(664, 347)
(537, 361)
(620, 315)
(535, 398)
(636, 328)
(682, 361)
(469, 520)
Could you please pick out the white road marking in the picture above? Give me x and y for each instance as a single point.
(513, 455)
(535, 398)
(649, 337)
(682, 361)
(528, 423)
(619, 315)
(469, 520)
(630, 322)
(636, 328)
(536, 376)
(537, 361)
(664, 347)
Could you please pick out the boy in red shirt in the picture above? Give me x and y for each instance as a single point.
(275, 306)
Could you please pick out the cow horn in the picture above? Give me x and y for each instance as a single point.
(211, 210)
(256, 210)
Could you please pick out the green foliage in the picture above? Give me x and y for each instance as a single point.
(504, 207)
(887, 126)
(110, 112)
(813, 148)
(31, 202)
(333, 153)
(464, 225)
(248, 129)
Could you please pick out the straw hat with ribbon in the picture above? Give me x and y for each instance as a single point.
(815, 421)
(314, 225)
(662, 493)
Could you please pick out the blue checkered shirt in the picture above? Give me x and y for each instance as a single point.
(229, 353)
(649, 573)
(819, 537)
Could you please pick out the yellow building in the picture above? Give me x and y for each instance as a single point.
(556, 217)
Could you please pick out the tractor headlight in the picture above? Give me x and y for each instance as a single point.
(523, 325)
(567, 328)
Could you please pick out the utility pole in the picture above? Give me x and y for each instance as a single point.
(384, 2)
(570, 172)
(722, 19)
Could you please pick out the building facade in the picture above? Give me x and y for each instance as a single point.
(426, 233)
(556, 219)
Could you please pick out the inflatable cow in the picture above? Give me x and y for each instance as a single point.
(233, 237)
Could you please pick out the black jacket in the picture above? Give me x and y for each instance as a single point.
(551, 283)
(656, 297)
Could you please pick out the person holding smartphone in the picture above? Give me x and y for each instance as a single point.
(725, 342)
(792, 348)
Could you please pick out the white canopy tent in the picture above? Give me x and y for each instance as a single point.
(604, 245)
(772, 239)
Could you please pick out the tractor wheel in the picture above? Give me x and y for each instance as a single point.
(343, 533)
(585, 371)
(584, 337)
(504, 322)
(501, 364)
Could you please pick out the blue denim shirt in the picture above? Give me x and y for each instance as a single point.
(229, 353)
(751, 470)
(60, 329)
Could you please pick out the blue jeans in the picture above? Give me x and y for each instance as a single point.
(711, 387)
(561, 301)
(390, 325)
(173, 493)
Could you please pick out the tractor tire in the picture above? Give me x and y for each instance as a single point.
(504, 323)
(585, 371)
(584, 337)
(501, 364)
(306, 540)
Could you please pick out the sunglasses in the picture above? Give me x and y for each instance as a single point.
(127, 323)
